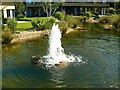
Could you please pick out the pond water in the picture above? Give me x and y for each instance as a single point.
(99, 50)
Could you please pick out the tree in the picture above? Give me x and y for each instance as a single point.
(49, 7)
(19, 9)
(55, 6)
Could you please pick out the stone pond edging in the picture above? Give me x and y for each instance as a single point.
(29, 36)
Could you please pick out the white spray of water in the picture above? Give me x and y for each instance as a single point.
(56, 52)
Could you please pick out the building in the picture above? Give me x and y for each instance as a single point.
(8, 9)
(79, 8)
(72, 8)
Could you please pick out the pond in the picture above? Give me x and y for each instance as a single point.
(99, 50)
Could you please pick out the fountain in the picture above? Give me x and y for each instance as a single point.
(56, 55)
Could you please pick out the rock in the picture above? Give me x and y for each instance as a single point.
(69, 30)
(107, 27)
(62, 64)
(36, 60)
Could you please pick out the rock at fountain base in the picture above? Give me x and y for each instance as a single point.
(62, 64)
(36, 60)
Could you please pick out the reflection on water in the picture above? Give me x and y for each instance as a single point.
(100, 49)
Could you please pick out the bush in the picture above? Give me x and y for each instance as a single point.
(63, 27)
(88, 14)
(116, 23)
(42, 24)
(96, 14)
(82, 13)
(12, 24)
(50, 22)
(109, 19)
(60, 16)
(3, 27)
(105, 19)
(111, 11)
(68, 17)
(73, 22)
(6, 37)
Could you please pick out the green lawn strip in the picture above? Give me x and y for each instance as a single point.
(24, 26)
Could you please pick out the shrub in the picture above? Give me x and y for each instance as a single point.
(3, 27)
(109, 19)
(60, 16)
(73, 22)
(6, 37)
(116, 23)
(42, 24)
(82, 13)
(111, 11)
(96, 14)
(68, 17)
(105, 19)
(50, 22)
(88, 14)
(34, 24)
(12, 24)
(63, 27)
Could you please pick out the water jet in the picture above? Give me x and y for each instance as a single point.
(56, 55)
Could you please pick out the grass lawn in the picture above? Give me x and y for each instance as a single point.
(24, 26)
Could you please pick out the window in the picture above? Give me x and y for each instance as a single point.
(8, 13)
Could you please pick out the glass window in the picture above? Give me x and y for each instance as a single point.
(8, 13)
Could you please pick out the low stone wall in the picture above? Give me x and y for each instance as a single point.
(29, 36)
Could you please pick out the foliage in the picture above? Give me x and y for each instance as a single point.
(63, 27)
(68, 17)
(73, 22)
(82, 13)
(104, 19)
(95, 14)
(116, 23)
(88, 14)
(111, 11)
(108, 19)
(60, 16)
(3, 27)
(49, 7)
(50, 22)
(12, 24)
(41, 24)
(6, 37)
(19, 9)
